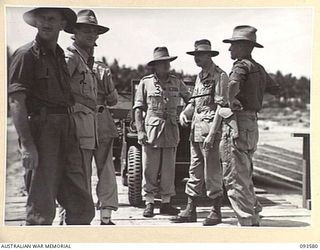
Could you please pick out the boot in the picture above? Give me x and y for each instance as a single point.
(105, 216)
(214, 217)
(166, 208)
(110, 223)
(148, 212)
(189, 214)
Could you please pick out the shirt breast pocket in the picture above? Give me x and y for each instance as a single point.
(174, 99)
(85, 81)
(156, 101)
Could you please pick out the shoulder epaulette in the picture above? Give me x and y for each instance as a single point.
(219, 70)
(101, 64)
(147, 77)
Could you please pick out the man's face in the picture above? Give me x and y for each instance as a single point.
(202, 59)
(240, 49)
(162, 67)
(86, 35)
(49, 23)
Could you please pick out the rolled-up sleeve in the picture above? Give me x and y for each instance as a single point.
(237, 77)
(184, 92)
(105, 83)
(21, 72)
(110, 90)
(140, 97)
(221, 90)
(194, 93)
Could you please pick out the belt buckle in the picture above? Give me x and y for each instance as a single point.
(100, 108)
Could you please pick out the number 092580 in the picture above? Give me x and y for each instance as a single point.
(309, 246)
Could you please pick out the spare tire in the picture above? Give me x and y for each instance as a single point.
(134, 176)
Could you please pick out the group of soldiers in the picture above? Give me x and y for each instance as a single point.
(60, 110)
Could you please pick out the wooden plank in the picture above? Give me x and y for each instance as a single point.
(295, 166)
(281, 151)
(277, 211)
(278, 169)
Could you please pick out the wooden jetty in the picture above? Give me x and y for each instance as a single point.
(278, 211)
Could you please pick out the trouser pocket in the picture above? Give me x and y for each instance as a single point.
(248, 134)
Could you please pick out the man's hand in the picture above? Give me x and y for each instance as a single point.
(236, 105)
(184, 119)
(208, 142)
(142, 137)
(30, 158)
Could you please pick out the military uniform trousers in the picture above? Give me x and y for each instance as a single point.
(59, 174)
(205, 169)
(107, 185)
(237, 165)
(158, 171)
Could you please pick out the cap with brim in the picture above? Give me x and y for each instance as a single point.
(203, 46)
(86, 17)
(69, 14)
(244, 33)
(161, 54)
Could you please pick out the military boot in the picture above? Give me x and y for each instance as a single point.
(214, 217)
(189, 214)
(166, 208)
(148, 212)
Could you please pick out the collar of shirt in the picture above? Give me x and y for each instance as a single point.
(85, 56)
(41, 44)
(248, 57)
(209, 72)
(157, 80)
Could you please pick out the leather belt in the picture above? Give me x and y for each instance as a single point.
(57, 110)
(52, 110)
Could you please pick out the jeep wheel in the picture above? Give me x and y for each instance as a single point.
(134, 176)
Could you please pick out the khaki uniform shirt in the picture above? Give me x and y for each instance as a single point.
(160, 101)
(107, 96)
(213, 84)
(248, 82)
(42, 75)
(84, 89)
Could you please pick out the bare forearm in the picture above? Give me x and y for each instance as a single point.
(233, 90)
(139, 120)
(20, 117)
(112, 98)
(189, 110)
(216, 122)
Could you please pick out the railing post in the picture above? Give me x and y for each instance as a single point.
(306, 186)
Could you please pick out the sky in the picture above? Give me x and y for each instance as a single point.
(286, 33)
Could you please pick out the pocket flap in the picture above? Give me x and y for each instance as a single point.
(78, 107)
(153, 121)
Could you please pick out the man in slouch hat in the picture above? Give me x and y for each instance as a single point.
(93, 89)
(40, 100)
(205, 169)
(248, 83)
(158, 95)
